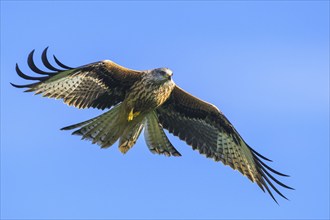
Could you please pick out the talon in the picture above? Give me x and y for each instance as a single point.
(130, 115)
(135, 114)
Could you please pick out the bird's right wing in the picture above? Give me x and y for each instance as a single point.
(99, 85)
(206, 129)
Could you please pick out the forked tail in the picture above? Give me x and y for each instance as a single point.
(107, 128)
(104, 130)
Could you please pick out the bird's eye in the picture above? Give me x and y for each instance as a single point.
(163, 73)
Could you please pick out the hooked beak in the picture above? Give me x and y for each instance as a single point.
(169, 76)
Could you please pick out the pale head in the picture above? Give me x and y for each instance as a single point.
(161, 75)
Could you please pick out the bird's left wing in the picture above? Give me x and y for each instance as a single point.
(99, 85)
(206, 129)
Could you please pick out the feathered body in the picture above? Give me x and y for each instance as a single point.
(126, 120)
(151, 91)
(150, 100)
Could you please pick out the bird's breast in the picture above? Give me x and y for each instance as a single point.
(148, 96)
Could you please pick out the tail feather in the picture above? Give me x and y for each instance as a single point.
(130, 136)
(70, 127)
(111, 137)
(104, 130)
(87, 128)
(92, 124)
(94, 130)
(156, 138)
(107, 128)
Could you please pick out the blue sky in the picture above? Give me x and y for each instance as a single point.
(264, 64)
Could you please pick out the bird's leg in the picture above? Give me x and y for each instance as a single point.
(132, 114)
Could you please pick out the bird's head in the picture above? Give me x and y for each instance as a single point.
(161, 74)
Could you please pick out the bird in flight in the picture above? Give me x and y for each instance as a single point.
(148, 100)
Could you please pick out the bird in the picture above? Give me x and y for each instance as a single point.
(148, 100)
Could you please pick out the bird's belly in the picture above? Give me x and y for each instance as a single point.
(146, 103)
(144, 100)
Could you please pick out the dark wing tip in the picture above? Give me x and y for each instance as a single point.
(271, 169)
(35, 69)
(262, 156)
(33, 66)
(266, 177)
(18, 86)
(21, 74)
(46, 62)
(24, 86)
(61, 64)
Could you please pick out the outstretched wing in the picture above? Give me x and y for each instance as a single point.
(99, 85)
(206, 129)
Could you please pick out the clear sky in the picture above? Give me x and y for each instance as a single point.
(264, 64)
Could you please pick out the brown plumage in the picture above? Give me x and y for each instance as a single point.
(148, 100)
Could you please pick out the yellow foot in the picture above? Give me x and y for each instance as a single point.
(132, 114)
(135, 114)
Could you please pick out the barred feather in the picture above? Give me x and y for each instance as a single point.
(156, 138)
(104, 130)
(207, 130)
(130, 136)
(99, 85)
(105, 84)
